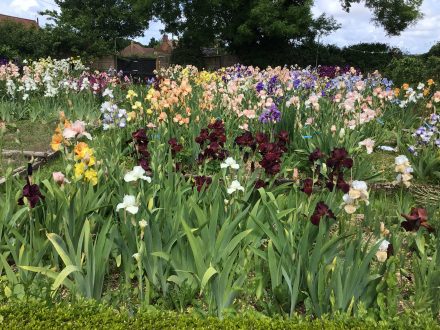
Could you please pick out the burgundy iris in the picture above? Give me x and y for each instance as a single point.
(307, 186)
(140, 139)
(175, 146)
(260, 184)
(321, 211)
(417, 218)
(316, 155)
(200, 181)
(32, 193)
(212, 140)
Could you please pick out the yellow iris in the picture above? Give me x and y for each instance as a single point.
(137, 105)
(79, 170)
(150, 94)
(131, 93)
(92, 176)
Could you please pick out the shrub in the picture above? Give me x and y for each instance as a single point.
(413, 69)
(91, 315)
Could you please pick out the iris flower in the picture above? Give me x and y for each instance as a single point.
(235, 185)
(128, 204)
(137, 173)
(230, 162)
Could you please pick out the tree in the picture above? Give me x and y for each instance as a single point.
(94, 27)
(267, 29)
(19, 41)
(263, 29)
(153, 42)
(435, 50)
(393, 15)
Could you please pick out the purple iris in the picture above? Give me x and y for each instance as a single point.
(270, 115)
(412, 150)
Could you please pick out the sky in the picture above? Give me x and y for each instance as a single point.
(356, 25)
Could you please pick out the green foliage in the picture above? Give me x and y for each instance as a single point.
(435, 50)
(370, 56)
(91, 28)
(19, 41)
(413, 69)
(427, 281)
(245, 27)
(264, 32)
(81, 315)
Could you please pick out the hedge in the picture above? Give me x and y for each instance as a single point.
(91, 315)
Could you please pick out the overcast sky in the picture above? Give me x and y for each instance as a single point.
(356, 26)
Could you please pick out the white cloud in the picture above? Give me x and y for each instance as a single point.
(27, 8)
(154, 31)
(24, 5)
(357, 27)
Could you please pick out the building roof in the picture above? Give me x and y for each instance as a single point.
(24, 21)
(166, 46)
(136, 50)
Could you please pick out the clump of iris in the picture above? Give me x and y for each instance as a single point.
(113, 116)
(270, 115)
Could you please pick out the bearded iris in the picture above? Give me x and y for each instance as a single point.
(128, 204)
(138, 173)
(270, 115)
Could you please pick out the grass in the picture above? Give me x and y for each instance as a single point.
(28, 135)
(24, 135)
(382, 161)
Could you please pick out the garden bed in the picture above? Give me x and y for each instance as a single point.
(275, 192)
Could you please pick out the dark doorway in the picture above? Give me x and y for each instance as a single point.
(137, 68)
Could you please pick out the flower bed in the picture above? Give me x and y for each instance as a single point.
(242, 189)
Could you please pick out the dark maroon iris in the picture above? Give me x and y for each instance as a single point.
(339, 159)
(338, 162)
(175, 146)
(261, 138)
(283, 136)
(140, 139)
(307, 186)
(321, 210)
(283, 140)
(203, 136)
(271, 153)
(140, 136)
(200, 181)
(260, 184)
(316, 155)
(246, 140)
(32, 193)
(217, 125)
(341, 184)
(416, 219)
(212, 139)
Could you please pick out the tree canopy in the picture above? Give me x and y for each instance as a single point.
(244, 26)
(94, 26)
(266, 27)
(260, 32)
